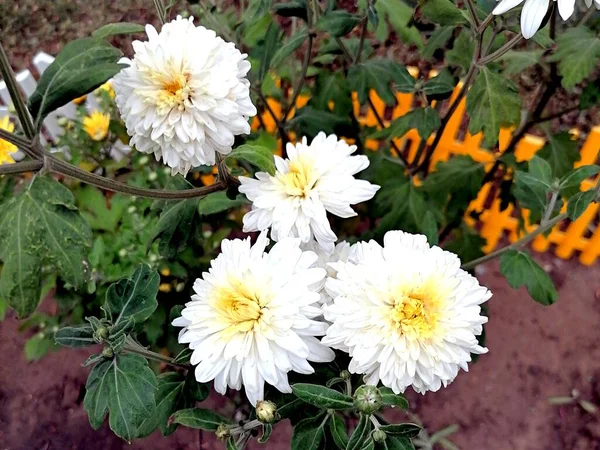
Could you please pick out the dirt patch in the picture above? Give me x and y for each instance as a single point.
(502, 403)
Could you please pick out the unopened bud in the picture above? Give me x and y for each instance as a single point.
(101, 334)
(345, 375)
(266, 411)
(367, 399)
(379, 436)
(152, 176)
(223, 432)
(108, 352)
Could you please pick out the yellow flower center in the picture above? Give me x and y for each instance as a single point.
(416, 310)
(174, 90)
(239, 304)
(300, 179)
(6, 148)
(96, 125)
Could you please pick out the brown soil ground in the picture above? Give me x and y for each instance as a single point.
(535, 353)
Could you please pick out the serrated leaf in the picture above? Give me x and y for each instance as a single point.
(401, 205)
(425, 120)
(199, 418)
(322, 396)
(399, 15)
(360, 433)
(384, 76)
(337, 23)
(459, 173)
(113, 29)
(570, 182)
(308, 434)
(444, 12)
(257, 155)
(337, 428)
(82, 66)
(532, 187)
(492, 102)
(579, 203)
(271, 42)
(577, 53)
(561, 152)
(124, 387)
(461, 54)
(133, 297)
(75, 336)
(408, 430)
(41, 227)
(437, 40)
(518, 61)
(520, 269)
(390, 398)
(441, 86)
(292, 44)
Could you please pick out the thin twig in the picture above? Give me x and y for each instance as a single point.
(21, 167)
(549, 208)
(300, 84)
(472, 13)
(501, 51)
(361, 44)
(133, 347)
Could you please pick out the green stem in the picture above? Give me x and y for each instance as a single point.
(21, 167)
(160, 10)
(133, 347)
(21, 143)
(521, 242)
(472, 13)
(501, 51)
(549, 208)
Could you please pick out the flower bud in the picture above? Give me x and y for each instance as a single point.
(101, 334)
(345, 375)
(379, 436)
(108, 352)
(223, 432)
(266, 411)
(367, 399)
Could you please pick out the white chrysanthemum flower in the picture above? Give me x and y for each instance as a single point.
(315, 178)
(184, 95)
(252, 318)
(534, 11)
(405, 312)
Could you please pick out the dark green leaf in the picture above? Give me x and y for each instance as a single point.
(425, 120)
(322, 396)
(443, 12)
(437, 40)
(441, 86)
(459, 173)
(392, 399)
(125, 387)
(398, 443)
(183, 357)
(590, 96)
(369, 444)
(309, 434)
(493, 102)
(561, 152)
(579, 203)
(294, 8)
(429, 228)
(402, 429)
(332, 87)
(461, 54)
(231, 445)
(218, 202)
(520, 269)
(75, 336)
(466, 243)
(577, 53)
(133, 297)
(337, 23)
(360, 434)
(93, 359)
(266, 434)
(518, 61)
(569, 184)
(199, 418)
(337, 428)
(272, 41)
(309, 122)
(532, 187)
(37, 347)
(113, 29)
(399, 15)
(257, 155)
(383, 75)
(372, 15)
(293, 43)
(82, 66)
(401, 205)
(41, 227)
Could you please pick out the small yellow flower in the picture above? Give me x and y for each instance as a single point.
(165, 272)
(6, 148)
(108, 88)
(164, 287)
(79, 100)
(96, 125)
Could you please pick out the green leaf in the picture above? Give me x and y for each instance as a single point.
(493, 102)
(113, 29)
(337, 23)
(218, 202)
(199, 418)
(441, 86)
(292, 44)
(399, 15)
(369, 444)
(41, 227)
(75, 336)
(425, 120)
(360, 433)
(577, 53)
(561, 152)
(322, 396)
(272, 41)
(294, 8)
(459, 173)
(383, 75)
(531, 188)
(309, 122)
(125, 387)
(520, 269)
(332, 87)
(82, 66)
(401, 205)
(3, 308)
(257, 155)
(518, 61)
(461, 54)
(337, 428)
(444, 12)
(101, 214)
(437, 40)
(409, 430)
(133, 297)
(398, 443)
(309, 433)
(466, 243)
(429, 228)
(579, 203)
(569, 184)
(37, 347)
(389, 398)
(590, 96)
